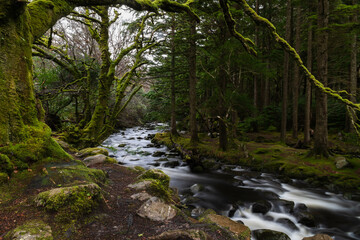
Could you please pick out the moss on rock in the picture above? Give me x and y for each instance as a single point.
(92, 151)
(70, 202)
(34, 229)
(157, 175)
(3, 178)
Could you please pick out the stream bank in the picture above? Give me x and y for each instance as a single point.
(286, 162)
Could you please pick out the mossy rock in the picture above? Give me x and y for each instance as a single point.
(35, 229)
(91, 152)
(159, 189)
(70, 202)
(111, 160)
(189, 234)
(67, 174)
(157, 175)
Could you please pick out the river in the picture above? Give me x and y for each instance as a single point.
(232, 191)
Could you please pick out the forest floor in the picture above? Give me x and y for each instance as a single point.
(116, 218)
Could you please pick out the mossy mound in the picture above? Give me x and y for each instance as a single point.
(5, 164)
(157, 175)
(91, 152)
(54, 175)
(70, 203)
(35, 229)
(3, 178)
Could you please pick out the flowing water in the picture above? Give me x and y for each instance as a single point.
(232, 191)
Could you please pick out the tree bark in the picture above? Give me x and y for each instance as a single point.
(192, 82)
(256, 79)
(20, 25)
(296, 79)
(321, 131)
(308, 93)
(353, 72)
(286, 74)
(173, 94)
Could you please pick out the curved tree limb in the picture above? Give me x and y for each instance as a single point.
(287, 47)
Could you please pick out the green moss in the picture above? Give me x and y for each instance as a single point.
(4, 178)
(93, 151)
(157, 188)
(111, 160)
(157, 175)
(5, 164)
(36, 228)
(70, 203)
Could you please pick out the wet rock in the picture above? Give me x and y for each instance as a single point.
(190, 200)
(189, 234)
(150, 136)
(157, 210)
(155, 164)
(288, 223)
(31, 230)
(140, 185)
(139, 138)
(91, 151)
(196, 188)
(92, 160)
(197, 212)
(261, 207)
(266, 234)
(319, 237)
(134, 160)
(132, 138)
(122, 145)
(210, 164)
(305, 218)
(341, 162)
(239, 230)
(162, 160)
(284, 206)
(141, 196)
(158, 154)
(171, 164)
(150, 145)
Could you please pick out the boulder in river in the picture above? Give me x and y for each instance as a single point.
(266, 234)
(197, 212)
(31, 230)
(121, 145)
(288, 223)
(305, 218)
(157, 210)
(261, 207)
(196, 188)
(158, 154)
(319, 237)
(171, 164)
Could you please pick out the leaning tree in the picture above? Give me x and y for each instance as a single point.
(22, 133)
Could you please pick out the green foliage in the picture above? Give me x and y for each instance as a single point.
(5, 164)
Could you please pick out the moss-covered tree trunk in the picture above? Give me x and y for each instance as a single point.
(106, 79)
